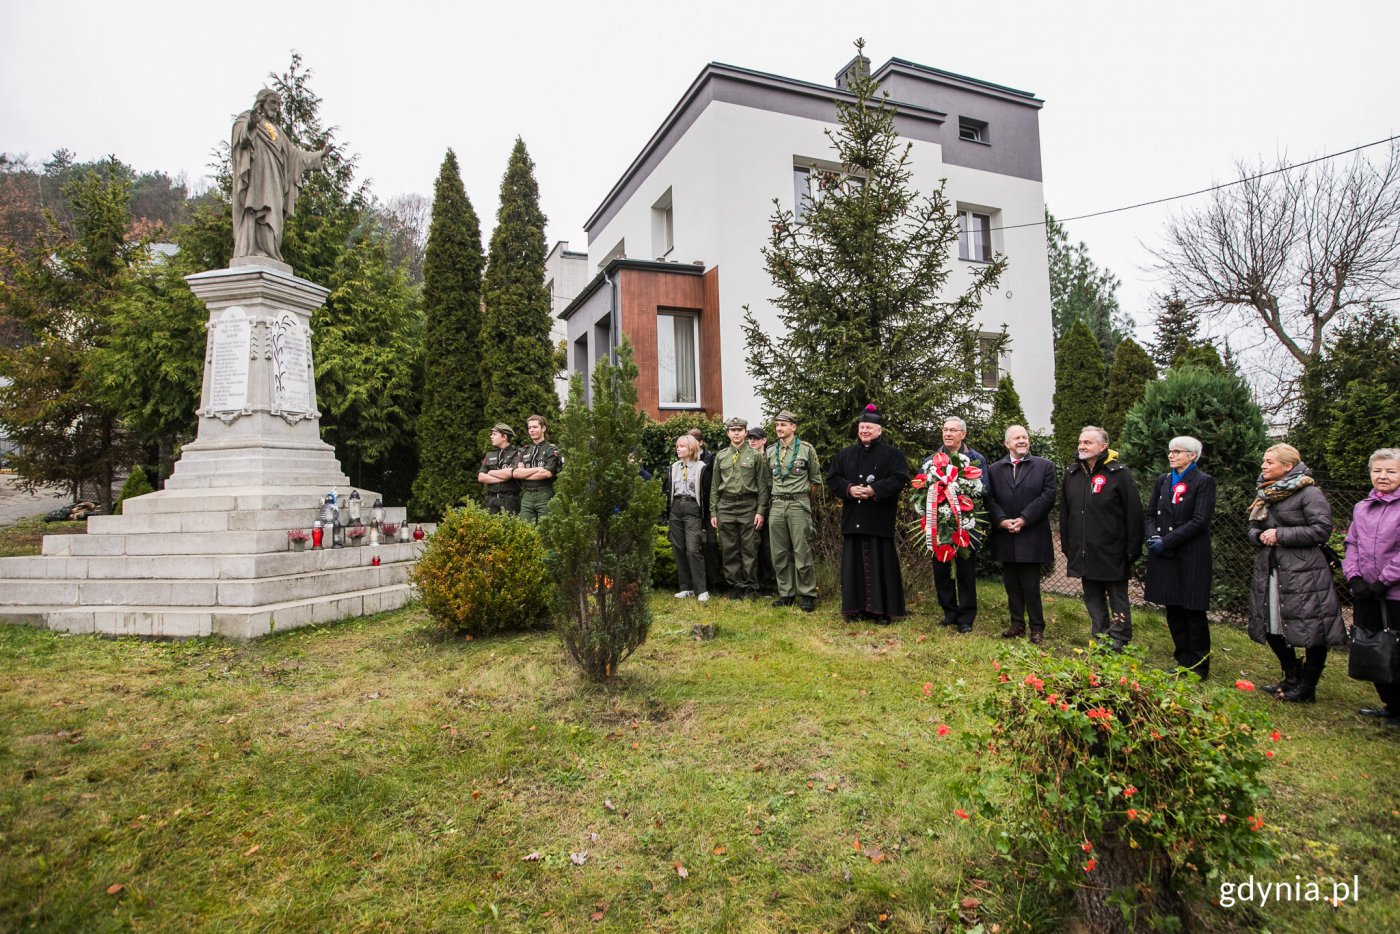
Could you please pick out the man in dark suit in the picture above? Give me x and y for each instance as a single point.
(1020, 495)
(955, 581)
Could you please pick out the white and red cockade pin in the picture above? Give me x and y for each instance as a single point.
(1178, 491)
(1098, 482)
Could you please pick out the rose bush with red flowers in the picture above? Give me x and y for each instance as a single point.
(1162, 781)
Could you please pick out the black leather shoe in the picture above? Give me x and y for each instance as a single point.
(1037, 636)
(964, 627)
(784, 601)
(808, 605)
(1378, 712)
(1014, 632)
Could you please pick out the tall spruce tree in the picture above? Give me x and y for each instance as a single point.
(1128, 378)
(516, 350)
(863, 300)
(453, 394)
(1081, 377)
(1176, 330)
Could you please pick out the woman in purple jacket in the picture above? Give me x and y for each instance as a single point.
(1372, 564)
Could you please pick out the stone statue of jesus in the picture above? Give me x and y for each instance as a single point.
(267, 177)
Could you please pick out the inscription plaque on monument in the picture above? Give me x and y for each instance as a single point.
(228, 363)
(291, 366)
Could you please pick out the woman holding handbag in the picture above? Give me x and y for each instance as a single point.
(1292, 602)
(1372, 568)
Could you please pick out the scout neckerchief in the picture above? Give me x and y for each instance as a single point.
(779, 470)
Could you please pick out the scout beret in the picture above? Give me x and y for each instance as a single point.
(785, 416)
(737, 422)
(504, 429)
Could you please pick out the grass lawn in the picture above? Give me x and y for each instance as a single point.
(27, 535)
(368, 776)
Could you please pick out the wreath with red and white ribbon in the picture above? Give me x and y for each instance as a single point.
(949, 488)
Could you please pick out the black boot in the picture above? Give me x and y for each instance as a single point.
(1305, 691)
(1289, 682)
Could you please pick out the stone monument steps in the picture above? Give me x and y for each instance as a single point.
(184, 622)
(192, 567)
(186, 592)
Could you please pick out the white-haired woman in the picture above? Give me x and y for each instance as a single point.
(1292, 603)
(1372, 564)
(687, 489)
(1179, 569)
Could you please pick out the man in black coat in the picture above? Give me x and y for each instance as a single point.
(1178, 552)
(1101, 533)
(1020, 495)
(868, 477)
(955, 580)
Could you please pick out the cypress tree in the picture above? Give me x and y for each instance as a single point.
(1128, 378)
(1080, 377)
(1201, 356)
(516, 350)
(453, 399)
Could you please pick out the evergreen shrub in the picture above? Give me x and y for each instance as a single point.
(481, 574)
(663, 567)
(1123, 782)
(658, 439)
(136, 485)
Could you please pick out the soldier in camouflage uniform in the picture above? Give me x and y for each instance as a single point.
(738, 500)
(794, 468)
(540, 462)
(497, 472)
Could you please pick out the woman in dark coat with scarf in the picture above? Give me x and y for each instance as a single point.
(1177, 526)
(1292, 602)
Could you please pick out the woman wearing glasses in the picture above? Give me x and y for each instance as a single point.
(1177, 526)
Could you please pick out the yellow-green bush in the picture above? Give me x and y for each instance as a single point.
(483, 573)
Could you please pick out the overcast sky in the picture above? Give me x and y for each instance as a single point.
(1141, 101)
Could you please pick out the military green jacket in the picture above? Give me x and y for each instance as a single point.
(545, 455)
(500, 459)
(739, 471)
(792, 471)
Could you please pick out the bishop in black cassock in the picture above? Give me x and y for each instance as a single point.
(868, 477)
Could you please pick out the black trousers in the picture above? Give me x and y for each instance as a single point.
(1190, 638)
(1314, 656)
(1023, 593)
(956, 584)
(1109, 611)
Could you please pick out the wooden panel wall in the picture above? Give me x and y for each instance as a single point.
(642, 293)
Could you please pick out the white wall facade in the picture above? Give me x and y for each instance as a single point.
(724, 173)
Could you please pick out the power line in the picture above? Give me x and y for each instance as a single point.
(1202, 191)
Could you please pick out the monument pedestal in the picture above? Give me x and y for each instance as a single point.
(209, 554)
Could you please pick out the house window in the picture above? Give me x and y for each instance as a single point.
(971, 130)
(678, 358)
(809, 188)
(988, 360)
(663, 227)
(974, 237)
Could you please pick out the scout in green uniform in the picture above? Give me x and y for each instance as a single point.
(794, 468)
(498, 471)
(540, 462)
(738, 500)
(767, 580)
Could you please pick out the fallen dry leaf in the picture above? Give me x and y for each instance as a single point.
(579, 858)
(114, 888)
(531, 857)
(636, 745)
(873, 852)
(231, 718)
(252, 849)
(608, 805)
(720, 851)
(830, 787)
(681, 870)
(970, 903)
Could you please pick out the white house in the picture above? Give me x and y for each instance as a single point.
(675, 246)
